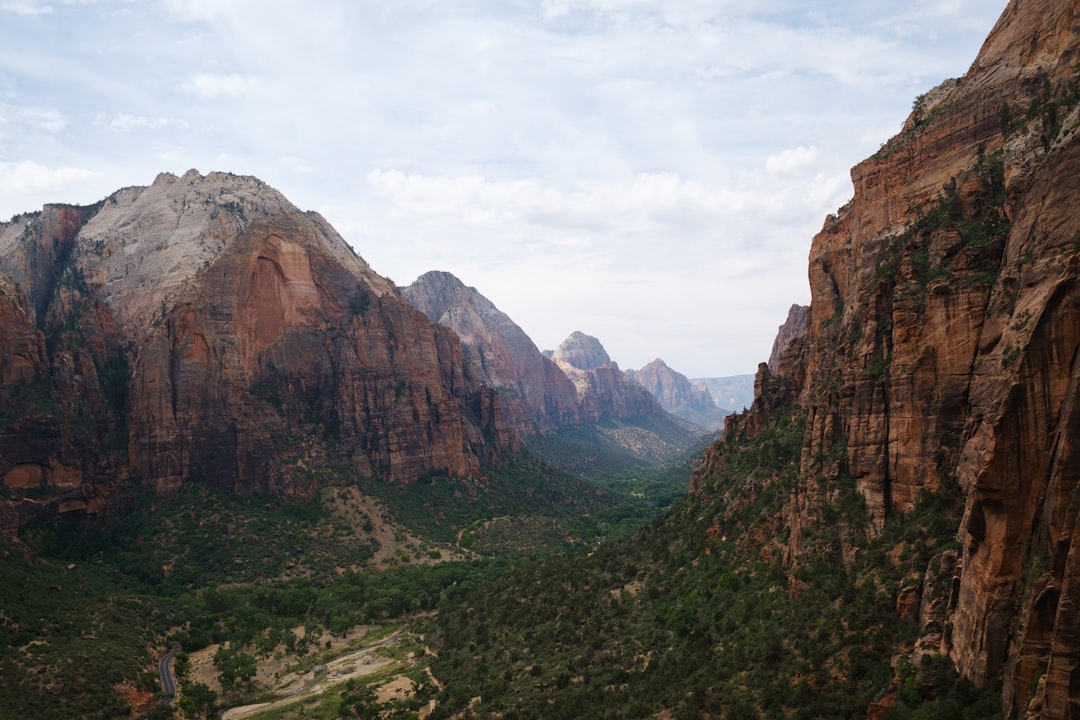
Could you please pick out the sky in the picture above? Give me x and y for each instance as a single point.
(649, 172)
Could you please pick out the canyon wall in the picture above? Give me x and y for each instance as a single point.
(942, 351)
(203, 327)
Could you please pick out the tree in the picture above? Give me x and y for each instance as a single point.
(234, 668)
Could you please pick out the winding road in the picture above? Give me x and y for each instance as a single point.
(168, 684)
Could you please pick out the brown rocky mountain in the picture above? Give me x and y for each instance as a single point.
(205, 327)
(942, 349)
(691, 402)
(603, 391)
(538, 396)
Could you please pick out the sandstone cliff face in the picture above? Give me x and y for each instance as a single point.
(537, 395)
(62, 377)
(675, 393)
(942, 344)
(33, 248)
(204, 327)
(943, 351)
(22, 345)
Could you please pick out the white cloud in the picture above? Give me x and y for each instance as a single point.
(47, 120)
(643, 165)
(124, 122)
(791, 160)
(210, 85)
(29, 8)
(30, 176)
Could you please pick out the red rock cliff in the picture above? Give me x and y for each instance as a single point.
(204, 327)
(943, 343)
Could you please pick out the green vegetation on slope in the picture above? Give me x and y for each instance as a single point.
(698, 614)
(613, 447)
(438, 507)
(85, 604)
(69, 633)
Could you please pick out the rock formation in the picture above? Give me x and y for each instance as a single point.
(942, 349)
(579, 383)
(204, 327)
(580, 352)
(603, 391)
(691, 402)
(538, 396)
(794, 327)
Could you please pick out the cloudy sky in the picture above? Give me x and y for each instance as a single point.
(650, 172)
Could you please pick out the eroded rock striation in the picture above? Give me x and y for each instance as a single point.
(205, 327)
(794, 327)
(942, 349)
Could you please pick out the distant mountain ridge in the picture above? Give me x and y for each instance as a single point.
(732, 392)
(544, 396)
(676, 394)
(539, 397)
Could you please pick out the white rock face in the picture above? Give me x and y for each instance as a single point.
(155, 239)
(580, 352)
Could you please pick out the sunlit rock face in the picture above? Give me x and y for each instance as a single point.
(212, 330)
(580, 352)
(943, 343)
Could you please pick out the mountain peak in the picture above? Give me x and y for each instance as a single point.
(155, 239)
(538, 395)
(581, 352)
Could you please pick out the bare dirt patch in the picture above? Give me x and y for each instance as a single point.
(295, 687)
(400, 688)
(396, 545)
(269, 670)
